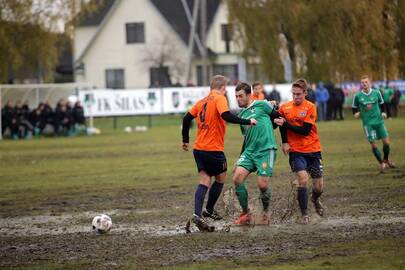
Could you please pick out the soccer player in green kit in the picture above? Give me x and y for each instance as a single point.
(258, 151)
(366, 105)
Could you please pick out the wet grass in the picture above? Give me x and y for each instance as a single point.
(375, 254)
(148, 171)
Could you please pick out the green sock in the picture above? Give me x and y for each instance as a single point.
(386, 150)
(242, 194)
(377, 154)
(265, 197)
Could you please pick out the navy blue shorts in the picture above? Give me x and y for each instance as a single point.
(212, 162)
(310, 162)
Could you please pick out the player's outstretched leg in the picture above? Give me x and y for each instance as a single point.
(377, 155)
(242, 194)
(386, 151)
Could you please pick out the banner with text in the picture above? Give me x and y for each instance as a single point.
(108, 102)
(103, 102)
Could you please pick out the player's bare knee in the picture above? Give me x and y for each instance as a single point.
(221, 178)
(262, 183)
(373, 145)
(317, 184)
(302, 178)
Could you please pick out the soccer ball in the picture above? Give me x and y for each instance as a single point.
(101, 224)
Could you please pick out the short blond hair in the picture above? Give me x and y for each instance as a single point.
(218, 81)
(365, 76)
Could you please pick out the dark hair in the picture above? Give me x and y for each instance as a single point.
(245, 87)
(256, 84)
(301, 83)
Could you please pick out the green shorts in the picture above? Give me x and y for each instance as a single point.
(262, 162)
(375, 132)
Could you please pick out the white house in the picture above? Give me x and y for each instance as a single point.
(142, 43)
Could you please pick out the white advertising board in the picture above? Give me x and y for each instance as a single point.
(103, 102)
(107, 102)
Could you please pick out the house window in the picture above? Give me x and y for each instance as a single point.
(200, 79)
(226, 32)
(226, 35)
(115, 78)
(229, 71)
(135, 32)
(159, 77)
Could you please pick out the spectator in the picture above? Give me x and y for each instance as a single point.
(396, 97)
(311, 93)
(35, 120)
(274, 95)
(78, 114)
(178, 84)
(331, 105)
(47, 116)
(387, 92)
(9, 120)
(340, 100)
(190, 83)
(322, 97)
(25, 128)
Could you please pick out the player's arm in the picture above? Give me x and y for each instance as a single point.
(304, 130)
(381, 103)
(223, 110)
(355, 107)
(231, 118)
(185, 130)
(283, 133)
(274, 115)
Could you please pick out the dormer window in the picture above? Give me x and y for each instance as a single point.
(135, 32)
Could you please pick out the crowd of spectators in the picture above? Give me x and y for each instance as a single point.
(18, 121)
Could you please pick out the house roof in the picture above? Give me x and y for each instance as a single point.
(173, 11)
(96, 17)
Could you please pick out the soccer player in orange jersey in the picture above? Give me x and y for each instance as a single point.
(258, 91)
(300, 139)
(211, 113)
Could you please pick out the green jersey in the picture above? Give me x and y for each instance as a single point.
(369, 106)
(260, 137)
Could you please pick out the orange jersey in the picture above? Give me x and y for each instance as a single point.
(211, 127)
(260, 96)
(296, 115)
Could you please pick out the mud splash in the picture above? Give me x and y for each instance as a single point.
(76, 223)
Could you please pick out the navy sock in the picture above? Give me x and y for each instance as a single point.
(213, 195)
(302, 197)
(199, 199)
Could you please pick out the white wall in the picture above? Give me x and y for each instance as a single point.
(82, 38)
(214, 40)
(110, 50)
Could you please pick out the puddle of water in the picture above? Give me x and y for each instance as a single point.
(68, 223)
